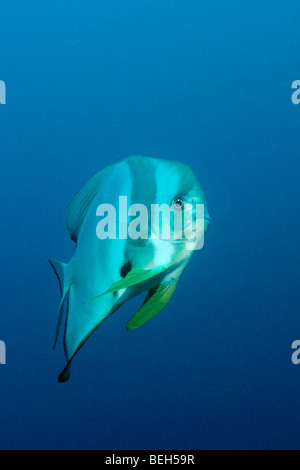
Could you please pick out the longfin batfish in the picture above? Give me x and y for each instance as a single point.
(104, 273)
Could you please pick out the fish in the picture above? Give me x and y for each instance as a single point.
(107, 271)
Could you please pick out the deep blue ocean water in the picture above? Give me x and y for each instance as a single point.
(206, 83)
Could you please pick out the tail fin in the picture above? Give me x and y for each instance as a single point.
(59, 269)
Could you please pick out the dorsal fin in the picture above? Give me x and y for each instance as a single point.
(83, 200)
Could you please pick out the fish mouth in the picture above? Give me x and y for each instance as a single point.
(207, 221)
(191, 234)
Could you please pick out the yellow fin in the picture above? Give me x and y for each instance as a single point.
(136, 276)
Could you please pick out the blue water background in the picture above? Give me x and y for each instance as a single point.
(207, 83)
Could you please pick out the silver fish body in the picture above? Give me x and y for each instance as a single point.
(105, 273)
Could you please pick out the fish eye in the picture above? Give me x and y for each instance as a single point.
(178, 203)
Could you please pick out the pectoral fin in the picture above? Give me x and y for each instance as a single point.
(136, 276)
(156, 300)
